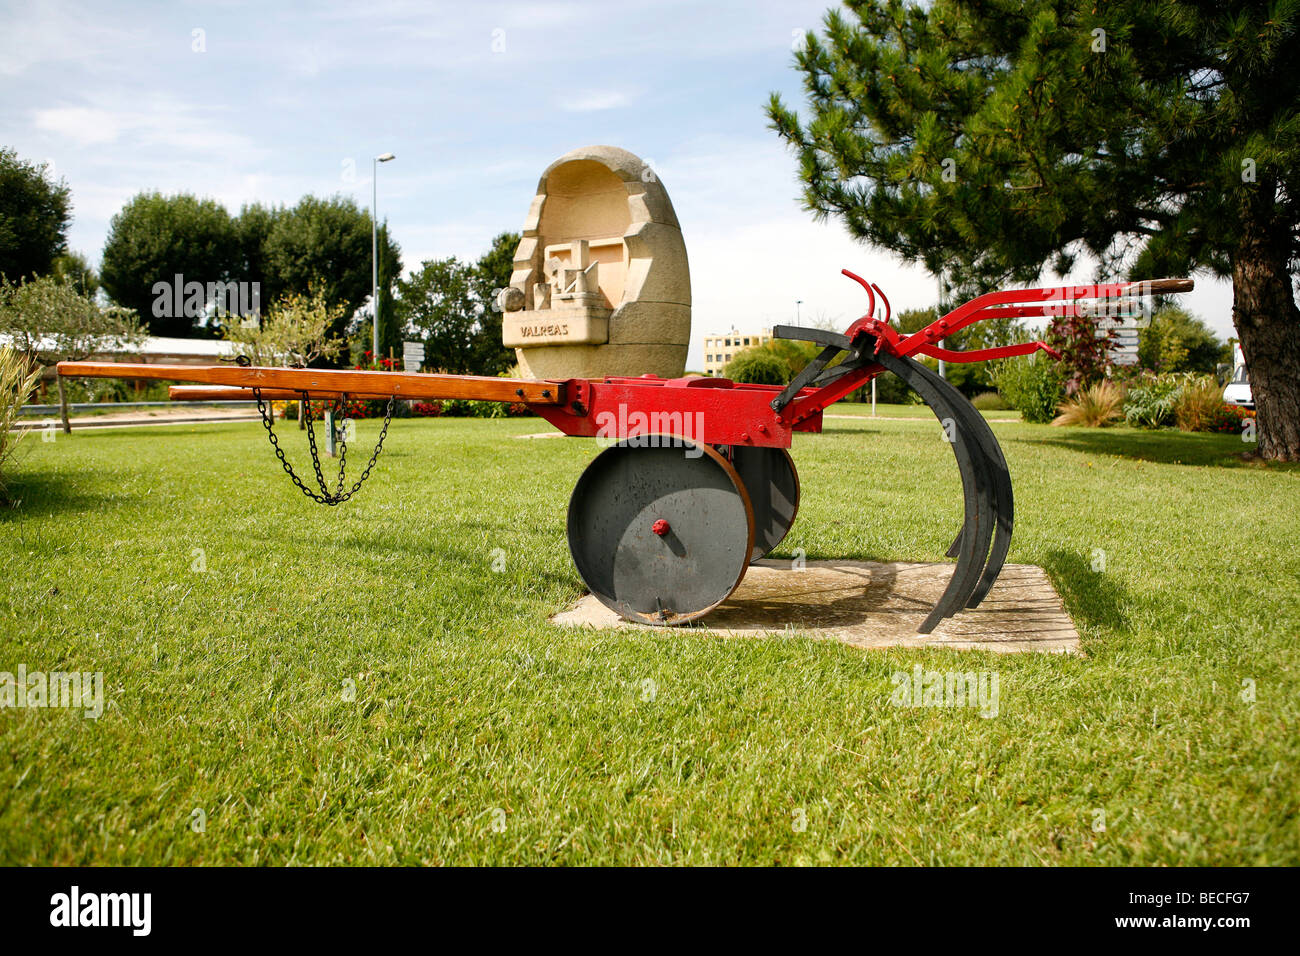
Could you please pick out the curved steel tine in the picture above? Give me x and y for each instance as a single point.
(889, 312)
(977, 531)
(871, 296)
(954, 547)
(986, 443)
(1006, 517)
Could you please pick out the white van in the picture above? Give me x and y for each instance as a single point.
(1237, 391)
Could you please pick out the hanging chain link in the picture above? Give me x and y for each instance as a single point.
(326, 497)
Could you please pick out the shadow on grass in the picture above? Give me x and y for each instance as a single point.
(1091, 597)
(36, 494)
(1168, 447)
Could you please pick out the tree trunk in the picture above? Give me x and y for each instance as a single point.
(63, 404)
(1268, 324)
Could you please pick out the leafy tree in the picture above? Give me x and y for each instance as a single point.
(73, 269)
(491, 274)
(451, 305)
(991, 138)
(34, 217)
(49, 321)
(758, 367)
(793, 352)
(253, 229)
(324, 245)
(971, 378)
(439, 305)
(1032, 384)
(1085, 354)
(156, 238)
(295, 331)
(1177, 341)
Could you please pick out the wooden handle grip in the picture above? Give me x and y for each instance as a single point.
(1163, 286)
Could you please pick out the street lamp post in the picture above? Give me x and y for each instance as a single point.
(374, 243)
(797, 303)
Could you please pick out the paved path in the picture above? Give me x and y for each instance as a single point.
(153, 416)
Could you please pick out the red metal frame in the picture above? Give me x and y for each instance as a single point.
(721, 412)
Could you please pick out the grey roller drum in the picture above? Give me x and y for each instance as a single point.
(661, 529)
(773, 487)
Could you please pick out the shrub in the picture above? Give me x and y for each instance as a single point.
(1150, 400)
(989, 402)
(890, 390)
(1095, 406)
(758, 367)
(17, 380)
(1229, 419)
(1198, 405)
(1034, 387)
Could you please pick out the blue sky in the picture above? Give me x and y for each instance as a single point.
(265, 102)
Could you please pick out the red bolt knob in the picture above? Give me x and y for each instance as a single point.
(660, 527)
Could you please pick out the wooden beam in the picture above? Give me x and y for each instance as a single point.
(229, 393)
(381, 384)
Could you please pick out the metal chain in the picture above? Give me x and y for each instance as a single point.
(325, 497)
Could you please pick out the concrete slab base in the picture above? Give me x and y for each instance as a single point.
(870, 604)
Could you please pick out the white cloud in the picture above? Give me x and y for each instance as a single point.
(160, 123)
(56, 33)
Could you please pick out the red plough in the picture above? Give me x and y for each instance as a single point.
(696, 482)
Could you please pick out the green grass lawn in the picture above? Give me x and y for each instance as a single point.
(479, 733)
(910, 411)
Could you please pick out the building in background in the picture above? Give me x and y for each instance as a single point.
(721, 349)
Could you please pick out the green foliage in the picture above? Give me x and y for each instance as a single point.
(1093, 407)
(990, 402)
(153, 239)
(1191, 401)
(970, 378)
(50, 321)
(324, 245)
(438, 304)
(297, 330)
(1177, 341)
(1032, 385)
(318, 247)
(757, 366)
(890, 390)
(35, 213)
(451, 306)
(18, 377)
(491, 274)
(794, 353)
(253, 227)
(1150, 402)
(1085, 355)
(1200, 404)
(990, 139)
(73, 269)
(232, 689)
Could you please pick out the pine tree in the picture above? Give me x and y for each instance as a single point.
(990, 139)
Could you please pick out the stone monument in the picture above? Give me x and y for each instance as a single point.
(600, 283)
